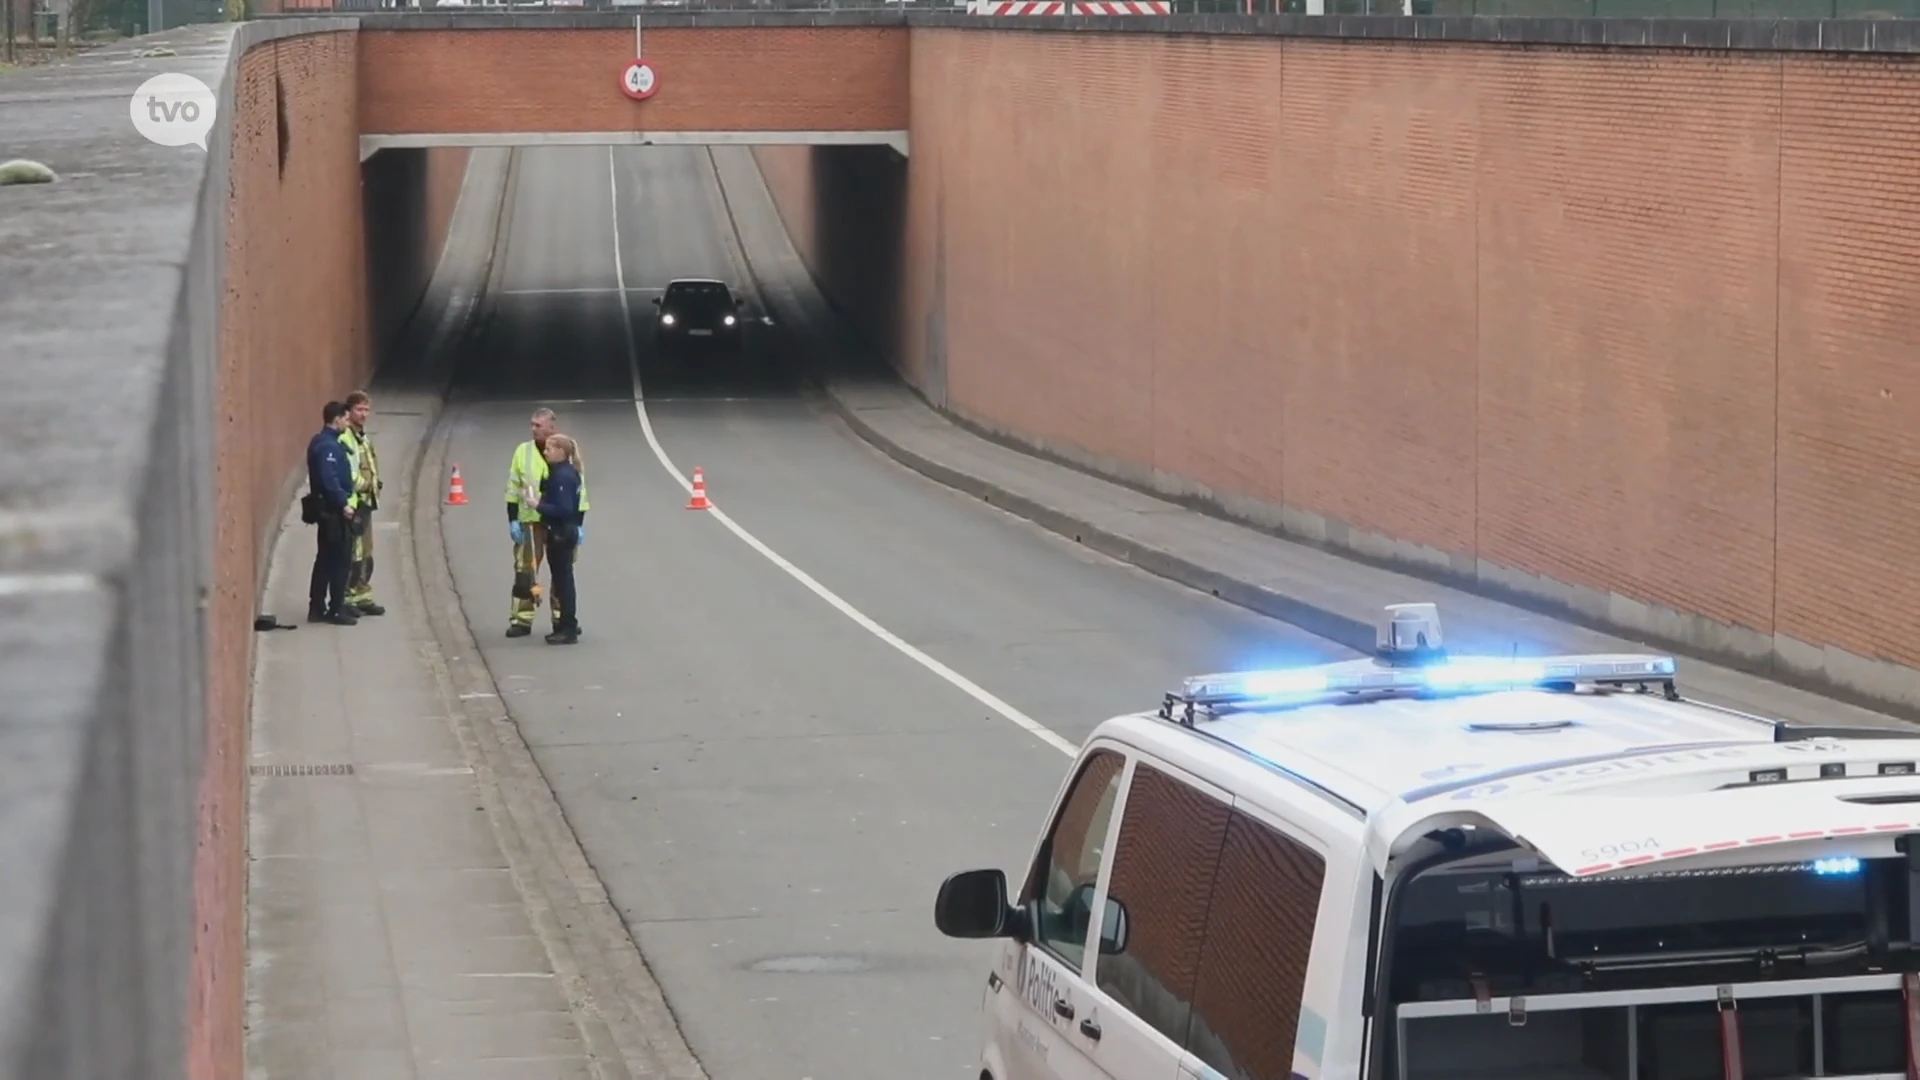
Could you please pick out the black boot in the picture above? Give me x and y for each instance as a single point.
(564, 636)
(519, 630)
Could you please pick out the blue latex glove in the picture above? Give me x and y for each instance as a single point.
(518, 532)
(581, 532)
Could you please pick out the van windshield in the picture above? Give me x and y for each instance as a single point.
(1525, 975)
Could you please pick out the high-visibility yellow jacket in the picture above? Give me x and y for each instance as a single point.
(529, 467)
(366, 467)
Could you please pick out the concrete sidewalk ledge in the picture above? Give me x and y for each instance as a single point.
(114, 283)
(1737, 35)
(1321, 592)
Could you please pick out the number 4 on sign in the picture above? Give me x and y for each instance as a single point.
(637, 80)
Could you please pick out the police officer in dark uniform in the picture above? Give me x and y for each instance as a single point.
(328, 505)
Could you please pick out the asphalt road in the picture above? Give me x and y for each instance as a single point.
(770, 791)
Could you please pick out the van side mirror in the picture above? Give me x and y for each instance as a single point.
(656, 301)
(973, 904)
(1113, 929)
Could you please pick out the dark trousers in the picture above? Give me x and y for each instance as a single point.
(560, 552)
(327, 590)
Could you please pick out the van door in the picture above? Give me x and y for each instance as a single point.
(1152, 923)
(1037, 1018)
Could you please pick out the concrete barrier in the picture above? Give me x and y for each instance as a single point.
(174, 320)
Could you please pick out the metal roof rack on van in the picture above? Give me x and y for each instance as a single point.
(1411, 660)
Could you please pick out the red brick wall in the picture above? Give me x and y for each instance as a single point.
(1631, 320)
(294, 332)
(745, 79)
(1848, 438)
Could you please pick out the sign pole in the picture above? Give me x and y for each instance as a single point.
(637, 50)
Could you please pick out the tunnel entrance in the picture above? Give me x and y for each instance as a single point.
(621, 271)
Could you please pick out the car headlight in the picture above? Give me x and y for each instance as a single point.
(666, 320)
(728, 320)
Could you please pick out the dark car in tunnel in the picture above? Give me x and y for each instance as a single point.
(697, 311)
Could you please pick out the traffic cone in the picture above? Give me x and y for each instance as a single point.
(699, 500)
(456, 491)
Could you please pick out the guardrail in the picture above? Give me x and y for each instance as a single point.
(1560, 9)
(660, 7)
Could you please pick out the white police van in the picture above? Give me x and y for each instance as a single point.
(1423, 867)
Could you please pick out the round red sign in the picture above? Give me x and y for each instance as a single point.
(638, 81)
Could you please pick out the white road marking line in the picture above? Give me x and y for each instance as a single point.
(30, 584)
(587, 290)
(959, 681)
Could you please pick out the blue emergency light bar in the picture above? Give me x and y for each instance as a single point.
(1449, 676)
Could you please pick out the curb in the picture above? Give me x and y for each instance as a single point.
(1334, 626)
(625, 1024)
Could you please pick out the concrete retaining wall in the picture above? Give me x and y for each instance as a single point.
(1616, 330)
(408, 203)
(176, 319)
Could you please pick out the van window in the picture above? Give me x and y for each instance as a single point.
(1170, 837)
(1253, 968)
(1068, 868)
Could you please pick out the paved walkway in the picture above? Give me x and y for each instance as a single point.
(389, 937)
(1308, 587)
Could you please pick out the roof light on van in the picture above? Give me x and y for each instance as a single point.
(1458, 675)
(1411, 659)
(1469, 672)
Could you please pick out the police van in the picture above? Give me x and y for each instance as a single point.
(1417, 866)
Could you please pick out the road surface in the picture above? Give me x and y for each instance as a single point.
(769, 789)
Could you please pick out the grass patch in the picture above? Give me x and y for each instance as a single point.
(28, 54)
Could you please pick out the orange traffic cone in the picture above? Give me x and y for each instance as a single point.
(699, 500)
(456, 491)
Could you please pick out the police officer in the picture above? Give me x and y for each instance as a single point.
(366, 499)
(524, 474)
(558, 501)
(328, 505)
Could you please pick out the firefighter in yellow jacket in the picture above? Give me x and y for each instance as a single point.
(528, 468)
(366, 499)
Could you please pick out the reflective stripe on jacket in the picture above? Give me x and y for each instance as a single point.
(366, 464)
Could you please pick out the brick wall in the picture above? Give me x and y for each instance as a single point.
(767, 78)
(296, 329)
(1628, 320)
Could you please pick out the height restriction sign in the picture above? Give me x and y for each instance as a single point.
(638, 81)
